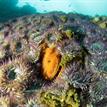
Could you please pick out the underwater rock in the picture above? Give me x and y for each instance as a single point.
(53, 60)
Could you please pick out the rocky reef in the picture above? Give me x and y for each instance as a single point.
(53, 60)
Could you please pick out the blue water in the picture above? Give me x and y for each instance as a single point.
(87, 7)
(14, 8)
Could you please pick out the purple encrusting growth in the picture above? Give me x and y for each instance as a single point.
(82, 43)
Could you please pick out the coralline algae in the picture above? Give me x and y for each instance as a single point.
(53, 60)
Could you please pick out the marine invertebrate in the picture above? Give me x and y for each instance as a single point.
(18, 45)
(50, 63)
(48, 58)
(4, 102)
(31, 103)
(15, 86)
(14, 78)
(2, 53)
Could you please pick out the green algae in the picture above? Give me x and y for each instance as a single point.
(69, 98)
(103, 25)
(101, 21)
(59, 38)
(69, 33)
(63, 18)
(66, 59)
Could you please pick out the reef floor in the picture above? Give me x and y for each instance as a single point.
(53, 60)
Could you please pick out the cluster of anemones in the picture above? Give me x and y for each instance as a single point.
(14, 75)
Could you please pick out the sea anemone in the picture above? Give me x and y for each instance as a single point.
(15, 73)
(5, 102)
(52, 58)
